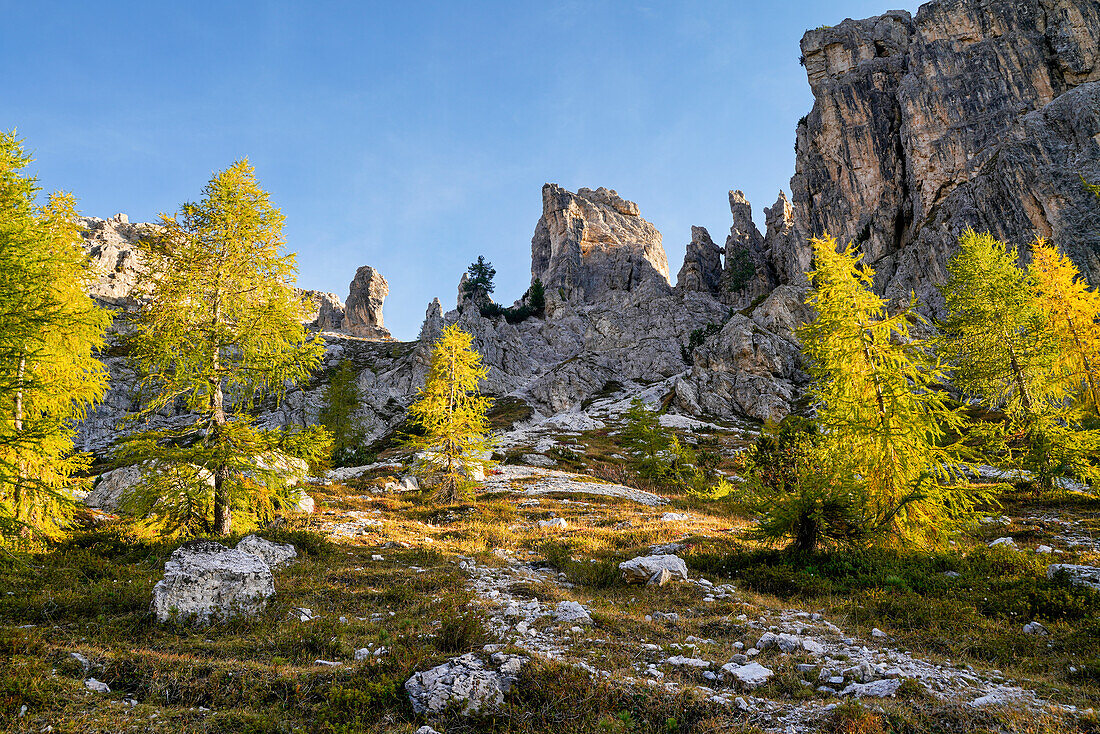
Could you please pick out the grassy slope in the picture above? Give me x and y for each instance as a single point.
(91, 596)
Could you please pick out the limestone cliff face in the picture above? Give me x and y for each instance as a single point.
(592, 242)
(972, 113)
(363, 309)
(113, 257)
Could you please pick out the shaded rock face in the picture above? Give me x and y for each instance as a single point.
(970, 114)
(747, 275)
(592, 242)
(702, 268)
(363, 309)
(322, 311)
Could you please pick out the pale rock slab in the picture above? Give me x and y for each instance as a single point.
(641, 569)
(206, 582)
(470, 681)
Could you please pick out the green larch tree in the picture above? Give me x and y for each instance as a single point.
(451, 415)
(220, 329)
(880, 406)
(1001, 347)
(50, 332)
(339, 413)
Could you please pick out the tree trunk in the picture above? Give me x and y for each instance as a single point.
(223, 512)
(21, 465)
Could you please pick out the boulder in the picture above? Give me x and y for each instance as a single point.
(747, 676)
(363, 309)
(275, 555)
(470, 682)
(1077, 574)
(571, 611)
(206, 582)
(641, 569)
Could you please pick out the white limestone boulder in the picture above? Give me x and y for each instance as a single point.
(641, 569)
(470, 682)
(1077, 574)
(206, 582)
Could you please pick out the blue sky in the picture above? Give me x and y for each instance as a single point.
(414, 136)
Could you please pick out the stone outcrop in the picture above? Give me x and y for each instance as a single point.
(747, 275)
(322, 311)
(470, 683)
(702, 268)
(113, 257)
(590, 243)
(206, 582)
(969, 114)
(363, 309)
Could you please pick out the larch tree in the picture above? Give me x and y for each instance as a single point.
(1000, 345)
(451, 415)
(50, 332)
(1072, 311)
(882, 412)
(338, 414)
(221, 328)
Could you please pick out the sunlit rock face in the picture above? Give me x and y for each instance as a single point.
(592, 242)
(363, 309)
(968, 114)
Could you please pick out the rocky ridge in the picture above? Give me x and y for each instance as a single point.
(968, 113)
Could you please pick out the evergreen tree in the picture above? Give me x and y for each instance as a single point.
(657, 454)
(1072, 311)
(452, 416)
(1002, 350)
(49, 333)
(341, 404)
(221, 328)
(879, 406)
(479, 283)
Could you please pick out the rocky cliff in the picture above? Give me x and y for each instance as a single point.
(972, 113)
(590, 243)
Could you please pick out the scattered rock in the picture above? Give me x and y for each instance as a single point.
(554, 522)
(1034, 628)
(749, 675)
(1006, 541)
(874, 689)
(674, 517)
(641, 569)
(204, 582)
(97, 686)
(571, 611)
(469, 682)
